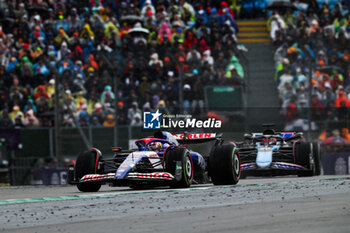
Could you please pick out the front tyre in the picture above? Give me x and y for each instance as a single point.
(303, 157)
(87, 164)
(178, 162)
(317, 158)
(224, 165)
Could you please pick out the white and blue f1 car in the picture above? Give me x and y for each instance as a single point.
(159, 160)
(284, 153)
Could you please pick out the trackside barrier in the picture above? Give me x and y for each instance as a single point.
(20, 169)
(337, 163)
(37, 145)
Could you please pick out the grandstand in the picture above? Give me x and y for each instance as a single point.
(312, 63)
(163, 55)
(103, 63)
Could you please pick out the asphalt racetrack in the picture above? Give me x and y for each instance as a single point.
(289, 204)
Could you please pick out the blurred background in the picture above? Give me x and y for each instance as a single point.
(76, 74)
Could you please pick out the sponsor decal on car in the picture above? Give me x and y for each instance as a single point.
(283, 165)
(195, 136)
(154, 175)
(97, 177)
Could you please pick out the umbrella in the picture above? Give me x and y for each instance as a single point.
(141, 30)
(330, 69)
(138, 28)
(7, 20)
(131, 18)
(281, 5)
(42, 11)
(8, 24)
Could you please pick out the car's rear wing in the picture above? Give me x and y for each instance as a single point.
(193, 138)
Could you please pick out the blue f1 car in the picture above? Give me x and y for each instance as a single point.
(160, 160)
(284, 153)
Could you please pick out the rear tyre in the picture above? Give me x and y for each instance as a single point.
(302, 157)
(87, 164)
(317, 158)
(224, 165)
(178, 162)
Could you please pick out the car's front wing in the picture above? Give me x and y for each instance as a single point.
(154, 176)
(273, 166)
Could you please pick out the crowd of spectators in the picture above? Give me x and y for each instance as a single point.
(147, 46)
(313, 43)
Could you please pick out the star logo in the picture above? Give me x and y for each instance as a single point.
(151, 120)
(155, 115)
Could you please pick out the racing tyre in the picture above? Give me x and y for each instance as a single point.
(317, 158)
(87, 164)
(178, 162)
(224, 165)
(302, 157)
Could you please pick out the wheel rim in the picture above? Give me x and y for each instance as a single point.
(188, 167)
(236, 164)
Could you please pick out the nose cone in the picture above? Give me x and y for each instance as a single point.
(264, 157)
(129, 163)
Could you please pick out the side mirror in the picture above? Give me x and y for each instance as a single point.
(296, 136)
(116, 149)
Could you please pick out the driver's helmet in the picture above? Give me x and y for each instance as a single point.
(272, 141)
(155, 146)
